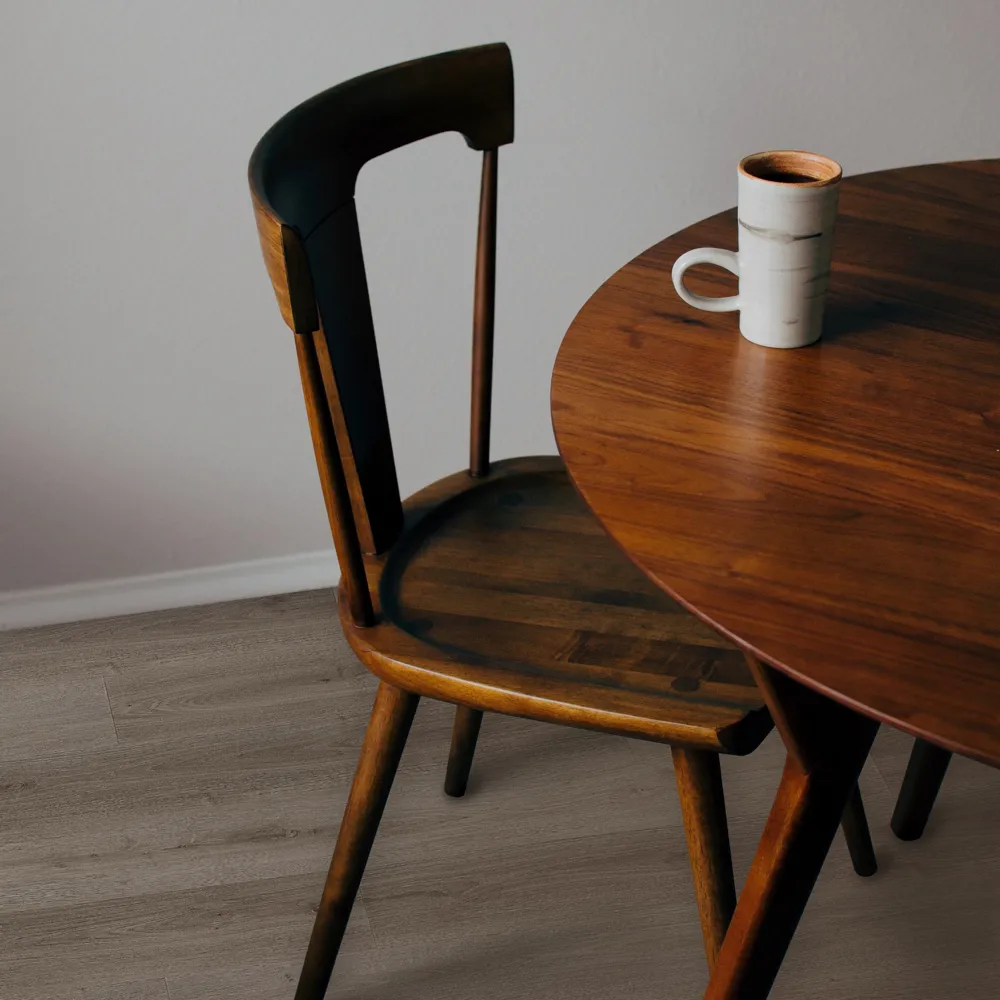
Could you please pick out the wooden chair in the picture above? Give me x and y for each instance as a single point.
(493, 589)
(924, 773)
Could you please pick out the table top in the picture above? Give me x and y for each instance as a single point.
(834, 509)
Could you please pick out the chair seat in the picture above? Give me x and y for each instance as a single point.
(505, 593)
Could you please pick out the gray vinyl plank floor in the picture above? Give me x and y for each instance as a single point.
(171, 786)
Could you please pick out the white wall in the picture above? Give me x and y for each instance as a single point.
(150, 416)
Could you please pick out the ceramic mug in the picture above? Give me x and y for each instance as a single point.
(787, 208)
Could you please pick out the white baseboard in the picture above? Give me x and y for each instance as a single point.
(133, 594)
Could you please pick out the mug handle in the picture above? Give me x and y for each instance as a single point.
(706, 255)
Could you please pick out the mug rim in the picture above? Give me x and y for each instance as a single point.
(828, 165)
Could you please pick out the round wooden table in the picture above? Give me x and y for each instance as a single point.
(834, 510)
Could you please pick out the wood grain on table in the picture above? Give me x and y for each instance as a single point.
(835, 510)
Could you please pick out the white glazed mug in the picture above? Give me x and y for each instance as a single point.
(787, 208)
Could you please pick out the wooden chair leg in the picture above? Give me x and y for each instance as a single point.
(703, 805)
(924, 774)
(827, 746)
(464, 735)
(383, 745)
(859, 838)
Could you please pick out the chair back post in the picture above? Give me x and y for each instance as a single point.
(334, 485)
(288, 268)
(483, 318)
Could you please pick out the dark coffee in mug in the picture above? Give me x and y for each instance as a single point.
(783, 176)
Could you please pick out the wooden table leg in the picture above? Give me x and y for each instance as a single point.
(924, 774)
(827, 746)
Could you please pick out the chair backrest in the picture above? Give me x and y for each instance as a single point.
(302, 179)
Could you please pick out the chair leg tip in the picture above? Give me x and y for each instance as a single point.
(906, 832)
(455, 789)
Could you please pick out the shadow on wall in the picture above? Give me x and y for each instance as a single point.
(57, 526)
